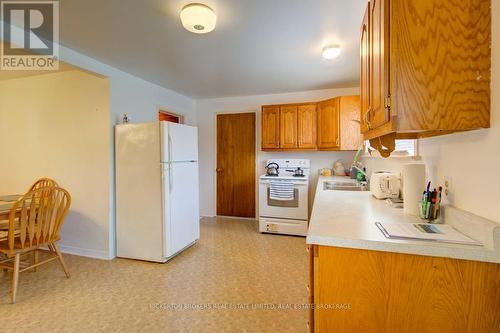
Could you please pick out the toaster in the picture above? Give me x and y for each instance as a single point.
(384, 185)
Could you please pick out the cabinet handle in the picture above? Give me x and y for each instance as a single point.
(367, 117)
(337, 142)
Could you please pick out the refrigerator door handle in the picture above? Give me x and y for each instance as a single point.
(170, 178)
(169, 148)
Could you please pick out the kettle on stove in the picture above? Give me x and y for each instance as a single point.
(272, 169)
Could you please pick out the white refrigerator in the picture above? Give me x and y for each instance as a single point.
(157, 200)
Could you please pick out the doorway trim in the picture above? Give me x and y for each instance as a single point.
(165, 110)
(214, 170)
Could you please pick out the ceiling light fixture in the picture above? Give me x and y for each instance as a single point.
(198, 18)
(331, 52)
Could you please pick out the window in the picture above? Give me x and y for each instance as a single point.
(408, 145)
(402, 146)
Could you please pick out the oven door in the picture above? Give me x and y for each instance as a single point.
(296, 209)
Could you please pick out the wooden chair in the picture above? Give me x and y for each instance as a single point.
(34, 221)
(43, 182)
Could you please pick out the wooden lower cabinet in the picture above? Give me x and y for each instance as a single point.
(371, 291)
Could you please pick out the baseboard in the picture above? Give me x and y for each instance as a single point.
(238, 218)
(96, 254)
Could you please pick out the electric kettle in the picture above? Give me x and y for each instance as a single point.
(272, 169)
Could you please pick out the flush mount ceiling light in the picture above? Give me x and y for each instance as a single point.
(331, 52)
(198, 18)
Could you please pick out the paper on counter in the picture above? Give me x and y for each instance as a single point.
(424, 231)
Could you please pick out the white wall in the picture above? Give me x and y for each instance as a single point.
(472, 159)
(57, 126)
(132, 95)
(137, 97)
(207, 109)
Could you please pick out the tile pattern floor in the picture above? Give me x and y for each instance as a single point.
(228, 270)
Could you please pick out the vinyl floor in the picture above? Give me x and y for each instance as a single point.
(233, 280)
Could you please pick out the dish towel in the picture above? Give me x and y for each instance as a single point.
(281, 190)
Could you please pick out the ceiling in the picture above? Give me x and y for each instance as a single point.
(258, 46)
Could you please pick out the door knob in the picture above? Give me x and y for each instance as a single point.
(218, 170)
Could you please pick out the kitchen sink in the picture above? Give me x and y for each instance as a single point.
(343, 186)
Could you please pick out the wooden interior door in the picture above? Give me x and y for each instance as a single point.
(270, 127)
(307, 135)
(328, 124)
(365, 71)
(236, 165)
(379, 62)
(288, 126)
(168, 117)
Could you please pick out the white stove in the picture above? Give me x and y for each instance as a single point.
(284, 198)
(287, 177)
(288, 168)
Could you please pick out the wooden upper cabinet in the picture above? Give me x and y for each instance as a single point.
(307, 136)
(270, 127)
(365, 70)
(378, 56)
(350, 136)
(288, 126)
(432, 76)
(328, 124)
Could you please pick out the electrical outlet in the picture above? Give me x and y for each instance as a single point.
(447, 186)
(448, 190)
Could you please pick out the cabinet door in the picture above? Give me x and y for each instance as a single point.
(307, 126)
(365, 70)
(288, 126)
(270, 127)
(350, 136)
(328, 124)
(379, 62)
(310, 287)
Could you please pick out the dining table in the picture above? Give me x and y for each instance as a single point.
(6, 203)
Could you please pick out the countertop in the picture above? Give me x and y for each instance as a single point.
(347, 219)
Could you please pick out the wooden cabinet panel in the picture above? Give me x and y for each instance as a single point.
(311, 249)
(328, 124)
(434, 78)
(376, 291)
(288, 126)
(441, 69)
(379, 64)
(350, 137)
(270, 127)
(365, 70)
(307, 126)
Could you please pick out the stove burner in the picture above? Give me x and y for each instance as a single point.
(272, 175)
(299, 175)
